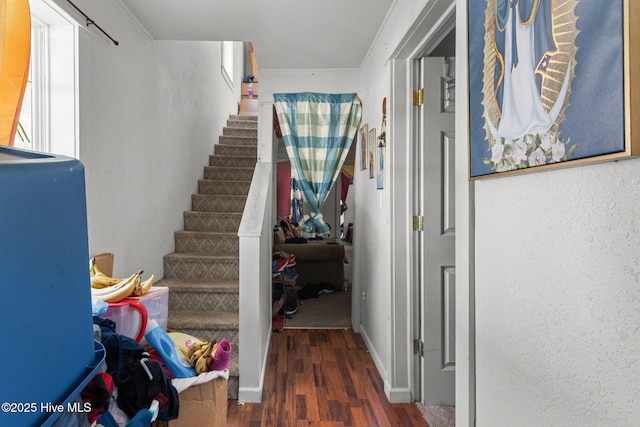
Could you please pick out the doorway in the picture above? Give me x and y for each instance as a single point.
(433, 257)
(409, 331)
(321, 297)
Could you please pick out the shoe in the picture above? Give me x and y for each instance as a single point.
(281, 278)
(283, 254)
(282, 260)
(291, 310)
(290, 273)
(281, 264)
(278, 265)
(309, 291)
(221, 357)
(277, 325)
(326, 288)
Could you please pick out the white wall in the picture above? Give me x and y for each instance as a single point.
(381, 238)
(557, 292)
(149, 113)
(557, 297)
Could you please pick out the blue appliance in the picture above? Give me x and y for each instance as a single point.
(47, 350)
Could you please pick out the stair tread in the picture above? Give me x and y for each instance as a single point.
(209, 233)
(247, 146)
(237, 137)
(203, 319)
(212, 213)
(200, 284)
(223, 181)
(220, 196)
(234, 156)
(232, 167)
(202, 256)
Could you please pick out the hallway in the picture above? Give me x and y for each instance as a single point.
(322, 378)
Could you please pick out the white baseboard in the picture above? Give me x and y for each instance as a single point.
(254, 394)
(399, 395)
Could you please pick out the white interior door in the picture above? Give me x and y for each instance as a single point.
(435, 244)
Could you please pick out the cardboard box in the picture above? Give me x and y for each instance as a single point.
(204, 405)
(104, 261)
(249, 106)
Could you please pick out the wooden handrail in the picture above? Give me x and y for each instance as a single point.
(254, 63)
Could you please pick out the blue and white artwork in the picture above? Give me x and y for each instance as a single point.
(546, 83)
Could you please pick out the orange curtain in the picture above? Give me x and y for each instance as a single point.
(15, 47)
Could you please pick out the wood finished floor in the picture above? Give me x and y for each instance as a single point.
(323, 378)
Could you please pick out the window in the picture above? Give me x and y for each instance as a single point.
(48, 117)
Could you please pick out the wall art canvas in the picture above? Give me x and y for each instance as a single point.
(547, 83)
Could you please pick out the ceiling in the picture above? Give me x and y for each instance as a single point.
(286, 34)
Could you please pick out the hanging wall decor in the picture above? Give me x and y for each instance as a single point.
(364, 151)
(381, 144)
(380, 166)
(552, 83)
(372, 152)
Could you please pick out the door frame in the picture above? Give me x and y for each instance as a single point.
(429, 28)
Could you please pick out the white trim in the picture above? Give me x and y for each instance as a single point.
(376, 360)
(226, 61)
(54, 74)
(40, 103)
(424, 31)
(135, 19)
(399, 395)
(254, 394)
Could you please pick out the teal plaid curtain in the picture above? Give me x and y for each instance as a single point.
(317, 130)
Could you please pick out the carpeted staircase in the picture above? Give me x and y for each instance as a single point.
(202, 273)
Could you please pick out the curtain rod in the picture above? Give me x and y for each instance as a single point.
(92, 22)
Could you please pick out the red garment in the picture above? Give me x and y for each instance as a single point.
(98, 394)
(345, 181)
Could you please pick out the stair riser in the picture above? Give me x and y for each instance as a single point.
(240, 162)
(235, 150)
(243, 118)
(198, 300)
(211, 221)
(223, 269)
(228, 174)
(229, 188)
(214, 203)
(233, 387)
(207, 244)
(240, 131)
(237, 140)
(244, 124)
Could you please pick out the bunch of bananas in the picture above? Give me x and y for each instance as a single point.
(200, 355)
(111, 289)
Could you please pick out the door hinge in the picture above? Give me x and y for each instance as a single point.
(418, 97)
(418, 347)
(418, 223)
